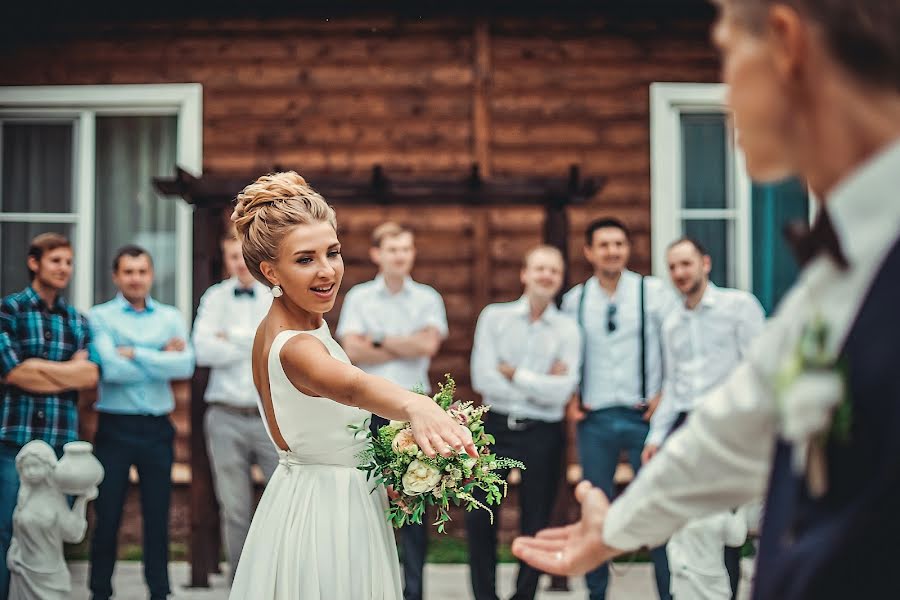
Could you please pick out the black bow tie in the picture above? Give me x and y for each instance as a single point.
(807, 242)
(238, 292)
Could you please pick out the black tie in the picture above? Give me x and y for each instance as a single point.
(807, 243)
(238, 292)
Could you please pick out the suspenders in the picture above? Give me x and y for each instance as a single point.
(643, 340)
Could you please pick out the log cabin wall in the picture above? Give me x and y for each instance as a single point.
(520, 96)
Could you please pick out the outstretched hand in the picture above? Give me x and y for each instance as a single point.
(574, 549)
(436, 432)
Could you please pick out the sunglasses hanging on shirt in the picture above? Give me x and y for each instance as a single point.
(610, 318)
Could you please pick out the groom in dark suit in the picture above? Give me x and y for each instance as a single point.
(813, 413)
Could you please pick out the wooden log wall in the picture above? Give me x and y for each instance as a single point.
(470, 256)
(520, 96)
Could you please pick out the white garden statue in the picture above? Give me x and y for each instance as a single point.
(43, 520)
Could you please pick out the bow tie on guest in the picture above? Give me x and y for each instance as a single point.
(807, 242)
(238, 292)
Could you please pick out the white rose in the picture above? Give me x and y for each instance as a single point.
(807, 410)
(808, 404)
(419, 478)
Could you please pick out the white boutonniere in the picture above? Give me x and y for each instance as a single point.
(813, 404)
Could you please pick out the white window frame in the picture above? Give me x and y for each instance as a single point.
(668, 101)
(82, 104)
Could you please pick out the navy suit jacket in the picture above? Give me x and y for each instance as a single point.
(844, 545)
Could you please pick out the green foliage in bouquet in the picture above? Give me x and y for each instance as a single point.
(394, 459)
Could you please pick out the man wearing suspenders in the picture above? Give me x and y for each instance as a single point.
(620, 313)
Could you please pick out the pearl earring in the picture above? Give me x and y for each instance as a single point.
(277, 291)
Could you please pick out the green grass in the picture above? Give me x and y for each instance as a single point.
(445, 550)
(82, 551)
(442, 549)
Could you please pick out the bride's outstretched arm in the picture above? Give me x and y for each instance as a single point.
(314, 371)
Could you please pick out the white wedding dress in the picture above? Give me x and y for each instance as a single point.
(320, 531)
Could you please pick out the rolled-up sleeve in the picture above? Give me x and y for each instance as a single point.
(555, 390)
(486, 378)
(10, 353)
(436, 314)
(114, 368)
(351, 321)
(164, 365)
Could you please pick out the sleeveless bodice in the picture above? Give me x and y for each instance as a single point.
(317, 430)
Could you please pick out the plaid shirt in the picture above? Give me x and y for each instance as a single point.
(29, 329)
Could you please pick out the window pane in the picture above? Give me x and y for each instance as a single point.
(131, 151)
(14, 241)
(774, 268)
(705, 174)
(37, 167)
(717, 236)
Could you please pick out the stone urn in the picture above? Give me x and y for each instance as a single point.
(78, 471)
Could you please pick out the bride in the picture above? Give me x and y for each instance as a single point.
(320, 530)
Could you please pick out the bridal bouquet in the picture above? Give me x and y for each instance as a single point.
(394, 459)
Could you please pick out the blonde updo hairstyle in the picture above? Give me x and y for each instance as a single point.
(266, 211)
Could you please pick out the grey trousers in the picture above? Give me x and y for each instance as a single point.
(235, 442)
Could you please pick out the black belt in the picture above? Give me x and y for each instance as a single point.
(244, 411)
(517, 424)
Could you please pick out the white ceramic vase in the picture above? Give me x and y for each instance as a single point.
(78, 470)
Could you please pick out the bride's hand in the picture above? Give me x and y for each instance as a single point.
(436, 431)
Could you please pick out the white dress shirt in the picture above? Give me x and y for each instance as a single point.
(701, 346)
(371, 309)
(506, 333)
(722, 456)
(696, 559)
(612, 360)
(223, 339)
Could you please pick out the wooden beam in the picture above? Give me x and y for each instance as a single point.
(204, 522)
(481, 271)
(481, 107)
(381, 189)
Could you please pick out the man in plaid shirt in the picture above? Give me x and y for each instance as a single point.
(44, 361)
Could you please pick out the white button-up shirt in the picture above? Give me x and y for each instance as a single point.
(612, 360)
(722, 456)
(506, 333)
(701, 346)
(695, 556)
(371, 309)
(223, 340)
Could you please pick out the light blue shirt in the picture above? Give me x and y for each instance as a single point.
(139, 386)
(612, 359)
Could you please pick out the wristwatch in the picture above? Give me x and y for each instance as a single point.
(377, 339)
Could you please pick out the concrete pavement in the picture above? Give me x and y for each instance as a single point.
(442, 582)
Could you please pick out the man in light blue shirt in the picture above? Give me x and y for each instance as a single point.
(142, 348)
(621, 315)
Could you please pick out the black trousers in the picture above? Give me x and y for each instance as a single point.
(539, 445)
(413, 544)
(146, 443)
(732, 554)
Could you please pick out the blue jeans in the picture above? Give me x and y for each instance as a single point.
(9, 492)
(602, 436)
